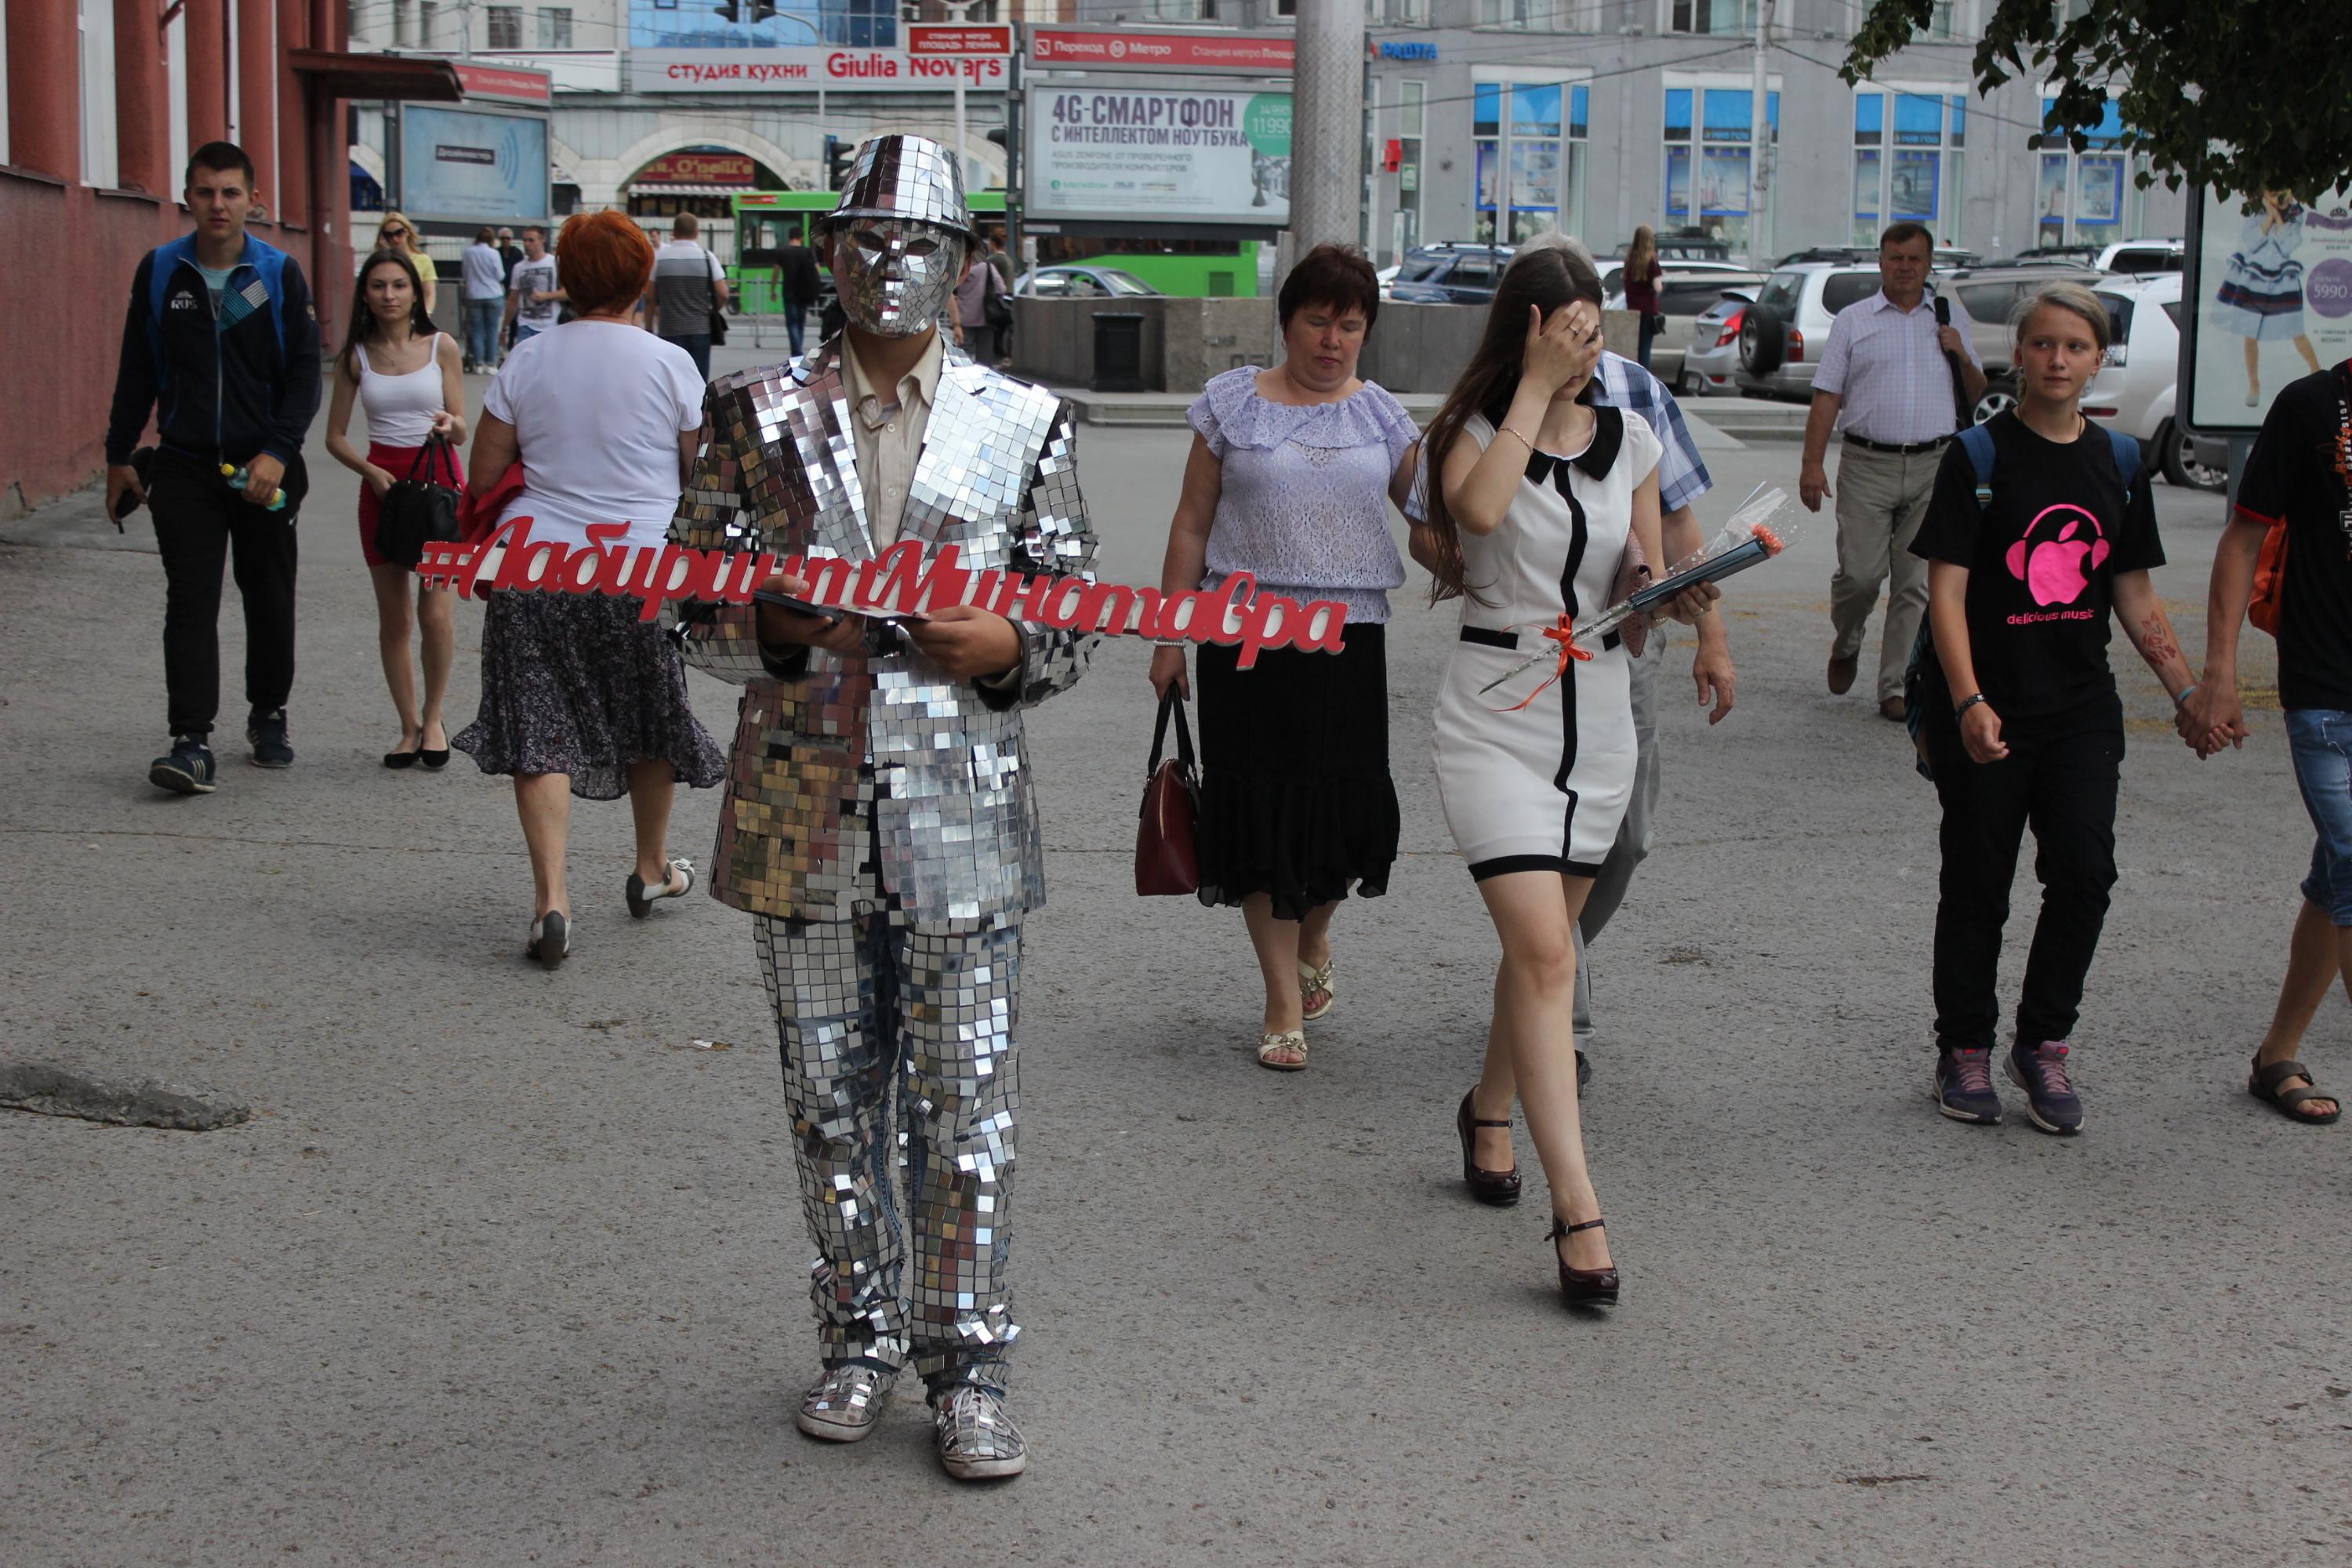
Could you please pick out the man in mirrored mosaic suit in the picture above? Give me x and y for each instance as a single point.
(879, 821)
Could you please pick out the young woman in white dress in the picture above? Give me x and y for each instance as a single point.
(1536, 494)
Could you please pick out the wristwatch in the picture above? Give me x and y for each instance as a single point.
(1965, 703)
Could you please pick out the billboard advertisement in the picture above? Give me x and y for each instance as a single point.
(1112, 151)
(813, 70)
(2270, 292)
(472, 165)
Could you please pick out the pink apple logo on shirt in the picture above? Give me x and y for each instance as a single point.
(2061, 547)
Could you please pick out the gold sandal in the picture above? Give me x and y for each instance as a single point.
(1311, 979)
(1284, 1050)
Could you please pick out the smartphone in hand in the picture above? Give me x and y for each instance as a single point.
(786, 602)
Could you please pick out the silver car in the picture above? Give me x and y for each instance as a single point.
(1991, 296)
(2136, 390)
(1781, 334)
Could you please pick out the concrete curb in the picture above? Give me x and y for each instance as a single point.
(47, 1090)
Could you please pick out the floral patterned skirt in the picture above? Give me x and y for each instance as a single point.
(576, 684)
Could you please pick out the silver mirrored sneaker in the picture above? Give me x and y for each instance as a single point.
(846, 1403)
(977, 1441)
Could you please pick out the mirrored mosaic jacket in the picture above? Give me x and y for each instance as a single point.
(871, 776)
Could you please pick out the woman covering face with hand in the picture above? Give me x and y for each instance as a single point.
(1536, 499)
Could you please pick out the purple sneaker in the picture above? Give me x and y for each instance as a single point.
(1964, 1089)
(2052, 1103)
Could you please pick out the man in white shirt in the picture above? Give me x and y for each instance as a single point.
(880, 823)
(1885, 384)
(485, 290)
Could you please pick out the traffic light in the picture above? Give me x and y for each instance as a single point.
(732, 10)
(837, 157)
(761, 11)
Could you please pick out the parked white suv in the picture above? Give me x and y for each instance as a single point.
(1781, 335)
(2134, 390)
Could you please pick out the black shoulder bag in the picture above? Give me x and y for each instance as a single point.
(416, 510)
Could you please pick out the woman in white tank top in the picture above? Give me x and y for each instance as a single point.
(405, 375)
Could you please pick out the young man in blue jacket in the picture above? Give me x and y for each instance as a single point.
(221, 343)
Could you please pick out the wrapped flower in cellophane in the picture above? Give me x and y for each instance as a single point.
(1756, 532)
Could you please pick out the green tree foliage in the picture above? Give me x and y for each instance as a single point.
(2234, 95)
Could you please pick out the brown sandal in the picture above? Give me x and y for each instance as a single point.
(2264, 1085)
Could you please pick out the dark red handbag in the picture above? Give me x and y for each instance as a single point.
(1167, 852)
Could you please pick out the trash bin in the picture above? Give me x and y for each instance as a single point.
(1119, 350)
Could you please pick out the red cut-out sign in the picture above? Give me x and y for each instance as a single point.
(906, 579)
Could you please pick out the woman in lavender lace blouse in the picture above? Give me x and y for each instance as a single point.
(1290, 479)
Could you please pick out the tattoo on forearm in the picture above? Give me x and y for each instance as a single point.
(2157, 645)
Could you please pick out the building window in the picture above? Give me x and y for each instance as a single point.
(1530, 138)
(1711, 16)
(95, 42)
(1513, 13)
(506, 26)
(2087, 197)
(428, 23)
(1408, 13)
(403, 25)
(1706, 163)
(1909, 163)
(1182, 11)
(555, 26)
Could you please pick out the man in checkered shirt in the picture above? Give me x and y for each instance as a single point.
(1681, 479)
(1886, 385)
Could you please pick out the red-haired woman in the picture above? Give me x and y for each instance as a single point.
(406, 376)
(579, 696)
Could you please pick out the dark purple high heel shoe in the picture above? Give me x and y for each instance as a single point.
(1582, 1286)
(1498, 1189)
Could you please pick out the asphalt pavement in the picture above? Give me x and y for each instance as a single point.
(508, 1268)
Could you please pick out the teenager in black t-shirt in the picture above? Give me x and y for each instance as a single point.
(2022, 723)
(2299, 474)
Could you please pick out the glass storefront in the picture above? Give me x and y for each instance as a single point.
(1531, 151)
(1918, 173)
(1707, 173)
(2087, 197)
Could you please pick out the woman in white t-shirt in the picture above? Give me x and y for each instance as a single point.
(581, 696)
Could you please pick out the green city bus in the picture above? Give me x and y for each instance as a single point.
(1188, 268)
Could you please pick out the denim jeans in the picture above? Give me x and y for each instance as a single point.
(482, 331)
(2321, 742)
(697, 344)
(795, 325)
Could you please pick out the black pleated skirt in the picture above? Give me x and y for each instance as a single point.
(1295, 798)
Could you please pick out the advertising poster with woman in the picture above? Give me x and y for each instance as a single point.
(2272, 289)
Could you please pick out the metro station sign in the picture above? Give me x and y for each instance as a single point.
(1244, 54)
(958, 43)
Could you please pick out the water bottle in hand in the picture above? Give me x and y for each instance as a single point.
(238, 479)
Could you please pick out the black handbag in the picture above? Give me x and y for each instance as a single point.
(995, 304)
(717, 326)
(414, 511)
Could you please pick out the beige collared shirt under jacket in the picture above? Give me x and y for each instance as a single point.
(889, 434)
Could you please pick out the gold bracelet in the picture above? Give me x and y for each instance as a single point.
(1507, 430)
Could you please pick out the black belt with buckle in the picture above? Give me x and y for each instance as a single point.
(1897, 449)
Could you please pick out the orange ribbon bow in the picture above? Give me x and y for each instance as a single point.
(1565, 635)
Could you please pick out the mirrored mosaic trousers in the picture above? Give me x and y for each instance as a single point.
(862, 1005)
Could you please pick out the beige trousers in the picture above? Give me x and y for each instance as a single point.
(1882, 498)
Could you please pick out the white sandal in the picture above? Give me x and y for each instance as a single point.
(1311, 979)
(1275, 1045)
